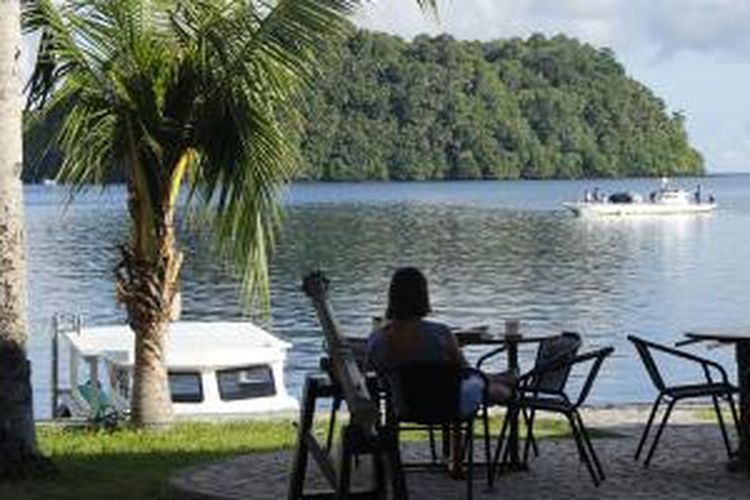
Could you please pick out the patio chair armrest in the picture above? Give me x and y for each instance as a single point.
(704, 362)
(722, 371)
(484, 357)
(598, 356)
(676, 352)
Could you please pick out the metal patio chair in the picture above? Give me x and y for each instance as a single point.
(425, 395)
(535, 395)
(557, 348)
(673, 393)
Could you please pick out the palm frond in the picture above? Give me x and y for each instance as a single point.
(255, 80)
(143, 83)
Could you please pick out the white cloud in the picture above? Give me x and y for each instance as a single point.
(657, 26)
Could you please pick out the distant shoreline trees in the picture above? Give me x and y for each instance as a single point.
(439, 108)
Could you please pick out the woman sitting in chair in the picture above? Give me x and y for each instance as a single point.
(407, 337)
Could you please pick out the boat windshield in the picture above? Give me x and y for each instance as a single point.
(246, 382)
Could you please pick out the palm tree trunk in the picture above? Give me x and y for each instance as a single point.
(151, 403)
(146, 289)
(18, 454)
(148, 278)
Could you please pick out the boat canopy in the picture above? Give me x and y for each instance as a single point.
(189, 344)
(622, 198)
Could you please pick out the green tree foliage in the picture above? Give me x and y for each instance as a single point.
(438, 108)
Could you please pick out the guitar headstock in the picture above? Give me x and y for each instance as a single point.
(315, 285)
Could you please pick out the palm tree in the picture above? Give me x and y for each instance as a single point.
(169, 91)
(18, 455)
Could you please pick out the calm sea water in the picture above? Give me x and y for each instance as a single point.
(491, 250)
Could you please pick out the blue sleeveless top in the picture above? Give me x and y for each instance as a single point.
(434, 346)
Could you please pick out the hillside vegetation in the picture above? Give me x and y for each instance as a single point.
(438, 108)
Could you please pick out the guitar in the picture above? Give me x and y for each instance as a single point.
(363, 408)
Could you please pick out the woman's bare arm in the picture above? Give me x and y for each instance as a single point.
(455, 354)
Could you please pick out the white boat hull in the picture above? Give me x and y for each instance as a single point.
(585, 209)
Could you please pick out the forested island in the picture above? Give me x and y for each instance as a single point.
(440, 108)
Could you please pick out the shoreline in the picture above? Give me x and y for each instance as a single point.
(705, 175)
(597, 415)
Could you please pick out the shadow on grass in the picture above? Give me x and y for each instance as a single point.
(127, 464)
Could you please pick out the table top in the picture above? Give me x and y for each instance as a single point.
(484, 337)
(726, 335)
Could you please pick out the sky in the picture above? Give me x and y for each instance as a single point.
(694, 54)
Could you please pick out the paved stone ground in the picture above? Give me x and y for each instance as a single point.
(689, 464)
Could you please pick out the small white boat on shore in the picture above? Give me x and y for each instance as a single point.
(665, 201)
(216, 370)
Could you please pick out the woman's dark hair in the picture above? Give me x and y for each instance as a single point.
(407, 295)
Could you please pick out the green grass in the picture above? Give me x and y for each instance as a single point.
(708, 414)
(134, 464)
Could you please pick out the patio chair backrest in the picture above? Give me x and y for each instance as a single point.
(642, 346)
(425, 393)
(553, 350)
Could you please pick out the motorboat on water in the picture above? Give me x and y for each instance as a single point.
(215, 370)
(664, 201)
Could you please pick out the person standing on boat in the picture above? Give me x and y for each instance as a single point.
(698, 193)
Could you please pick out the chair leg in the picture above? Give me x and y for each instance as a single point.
(590, 446)
(433, 451)
(722, 427)
(530, 441)
(530, 424)
(332, 422)
(446, 432)
(651, 451)
(470, 460)
(582, 452)
(379, 475)
(647, 429)
(398, 477)
(345, 470)
(735, 416)
(499, 448)
(487, 445)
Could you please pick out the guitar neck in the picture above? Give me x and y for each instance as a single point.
(362, 407)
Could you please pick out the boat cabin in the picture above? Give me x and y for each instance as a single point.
(216, 369)
(671, 196)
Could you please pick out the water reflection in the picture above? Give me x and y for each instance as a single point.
(490, 250)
